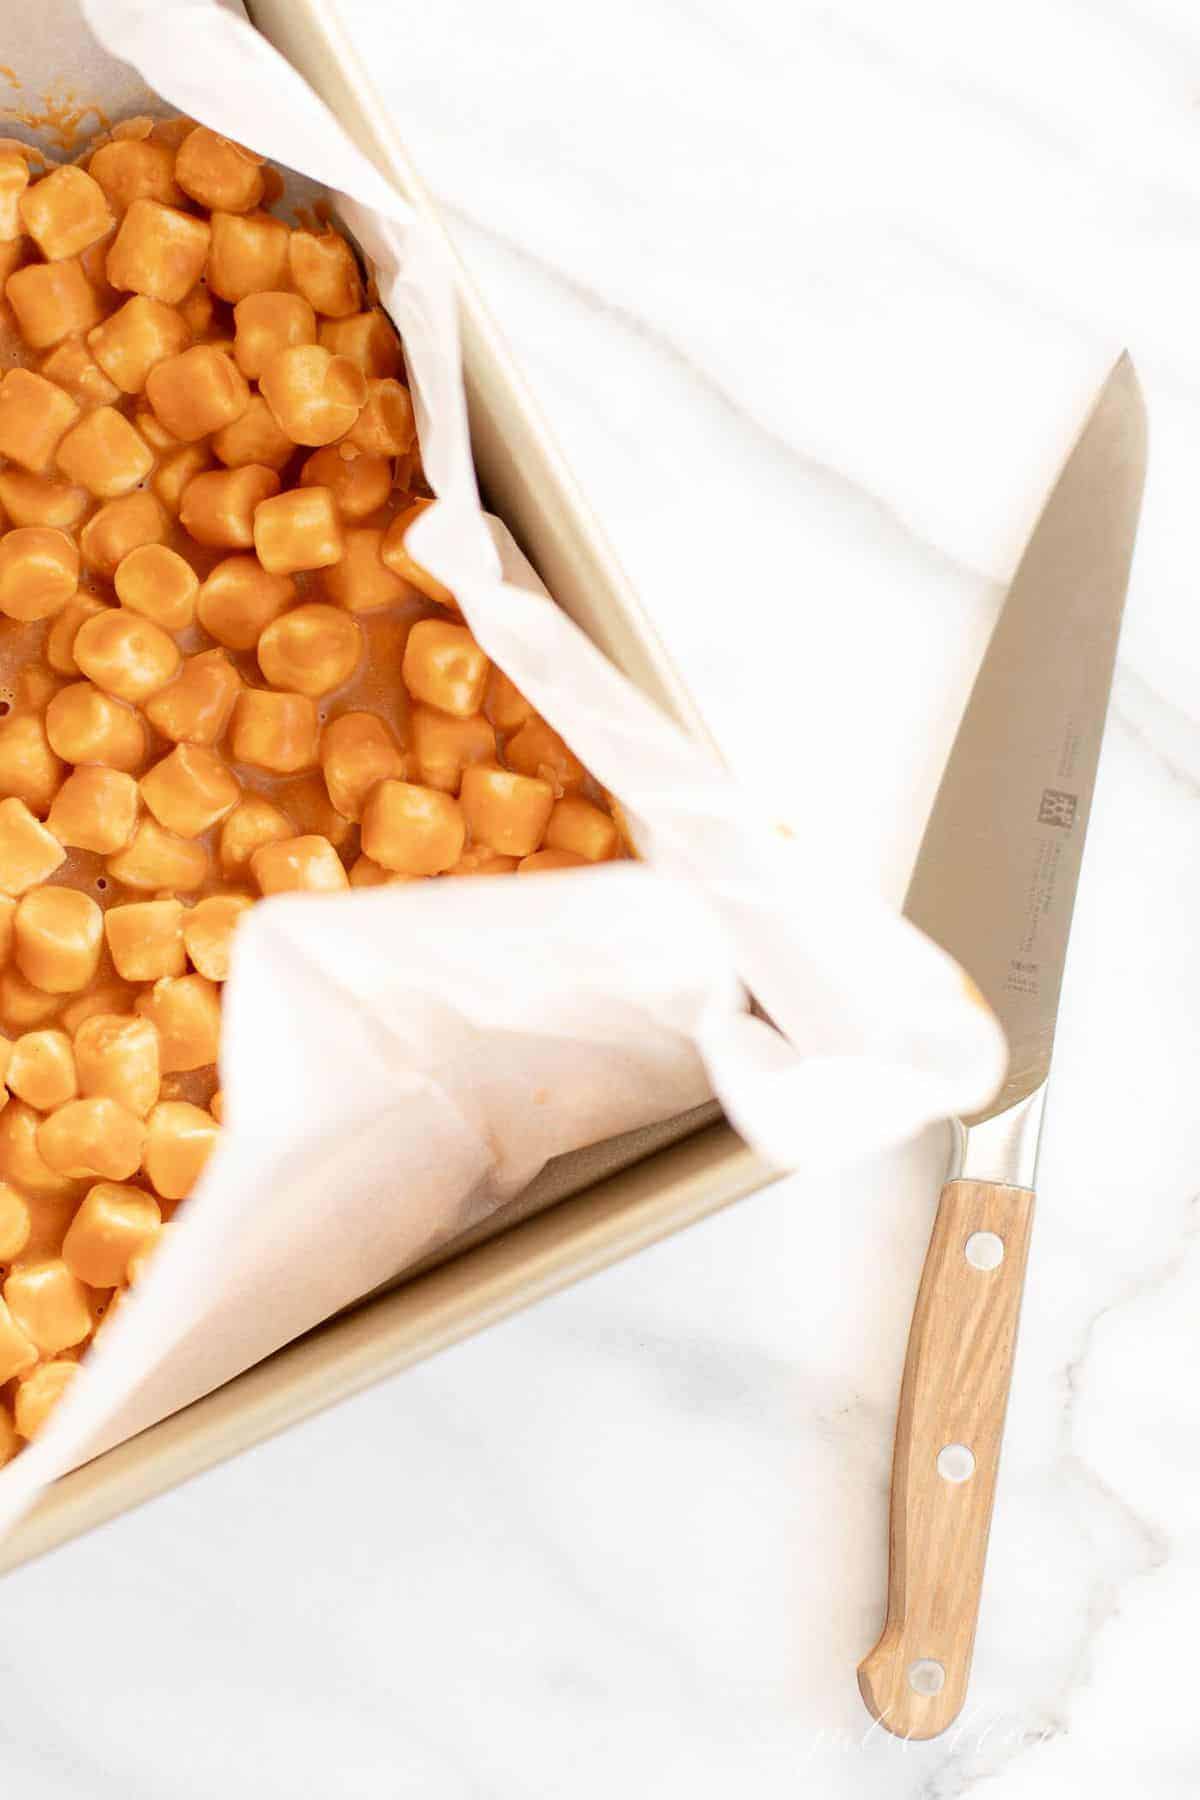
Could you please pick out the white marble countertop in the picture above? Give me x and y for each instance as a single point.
(814, 298)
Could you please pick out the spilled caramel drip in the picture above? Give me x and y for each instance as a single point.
(66, 120)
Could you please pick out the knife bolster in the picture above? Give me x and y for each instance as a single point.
(1003, 1147)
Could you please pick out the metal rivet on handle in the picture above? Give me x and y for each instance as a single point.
(955, 1462)
(926, 1676)
(984, 1250)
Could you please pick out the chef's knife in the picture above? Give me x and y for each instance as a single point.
(995, 885)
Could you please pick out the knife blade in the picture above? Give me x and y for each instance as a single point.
(994, 884)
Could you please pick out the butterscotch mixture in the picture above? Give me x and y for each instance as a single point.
(223, 676)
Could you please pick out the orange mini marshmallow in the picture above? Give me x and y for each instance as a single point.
(22, 1163)
(170, 131)
(58, 936)
(445, 667)
(28, 852)
(197, 706)
(477, 859)
(135, 339)
(190, 790)
(176, 470)
(15, 1223)
(386, 425)
(180, 1138)
(398, 559)
(10, 1438)
(359, 484)
(361, 581)
(314, 396)
(41, 1070)
(103, 996)
(218, 173)
(39, 1392)
(85, 725)
(41, 500)
(50, 1217)
(29, 769)
(64, 212)
(34, 688)
(186, 1011)
(18, 1351)
(299, 864)
(145, 941)
(48, 1305)
(254, 438)
(357, 750)
(150, 426)
(208, 931)
(507, 812)
(71, 366)
(157, 860)
(199, 311)
(311, 649)
(535, 749)
(130, 169)
(94, 1137)
(95, 809)
(367, 874)
(52, 301)
(252, 823)
(104, 454)
(248, 255)
(197, 391)
(218, 509)
(116, 1054)
(139, 1265)
(540, 860)
(119, 527)
(24, 1007)
(158, 251)
(585, 830)
(368, 339)
(239, 599)
(125, 654)
(35, 415)
(114, 1223)
(159, 584)
(324, 270)
(39, 572)
(412, 830)
(275, 731)
(444, 746)
(264, 324)
(94, 263)
(14, 181)
(298, 530)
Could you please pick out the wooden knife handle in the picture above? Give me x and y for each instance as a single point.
(952, 1400)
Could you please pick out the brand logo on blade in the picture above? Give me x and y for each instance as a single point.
(1058, 808)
